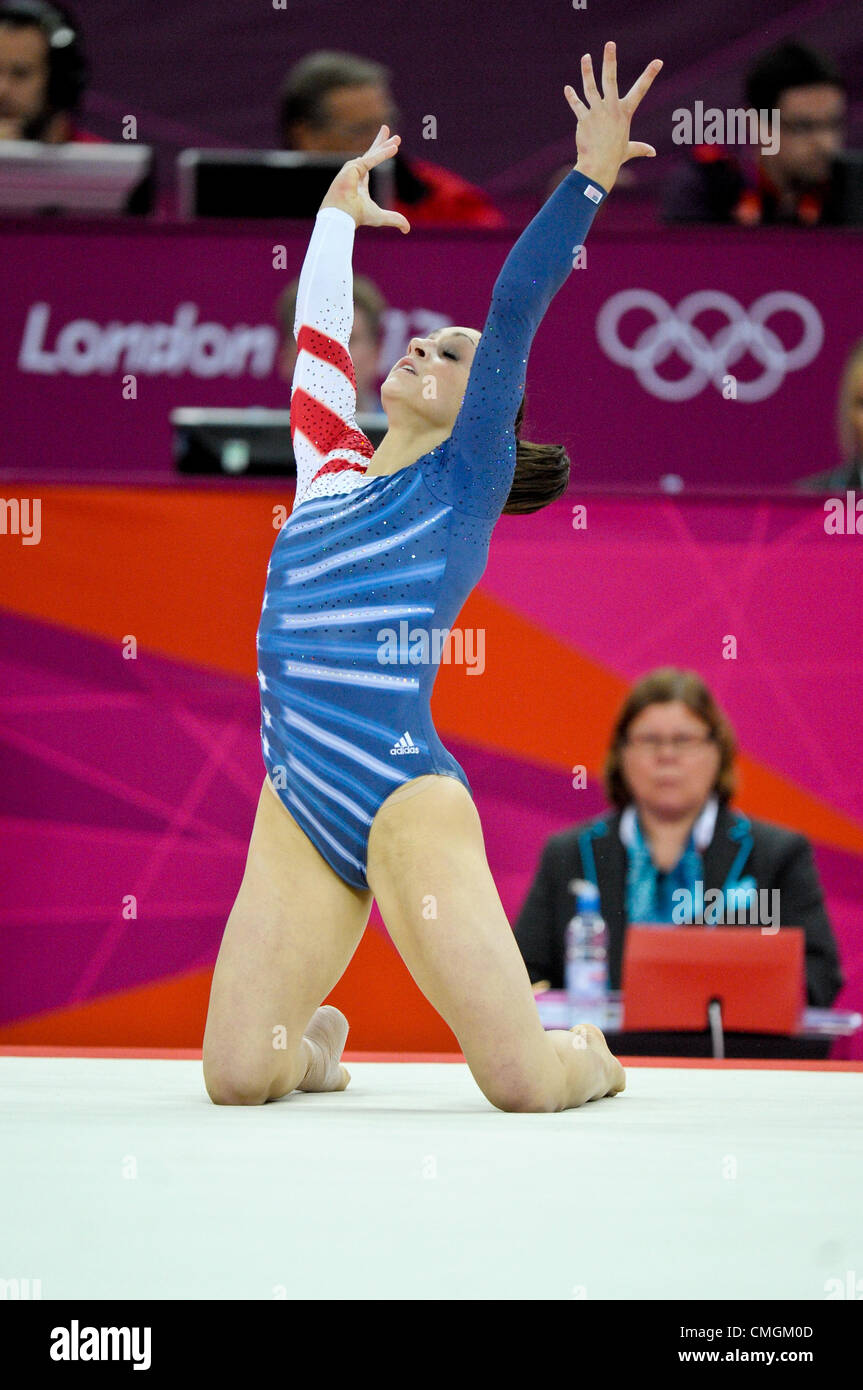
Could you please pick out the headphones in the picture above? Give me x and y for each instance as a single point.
(68, 66)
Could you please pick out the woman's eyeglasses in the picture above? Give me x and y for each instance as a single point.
(685, 744)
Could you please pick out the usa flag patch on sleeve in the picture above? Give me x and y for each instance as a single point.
(593, 194)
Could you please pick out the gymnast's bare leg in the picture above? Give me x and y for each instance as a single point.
(290, 935)
(296, 924)
(428, 870)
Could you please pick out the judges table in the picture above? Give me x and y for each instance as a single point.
(818, 1030)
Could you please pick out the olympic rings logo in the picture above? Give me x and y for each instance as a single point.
(674, 331)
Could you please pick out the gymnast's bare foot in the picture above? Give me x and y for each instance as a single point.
(325, 1042)
(613, 1076)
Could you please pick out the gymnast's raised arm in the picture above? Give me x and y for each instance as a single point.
(323, 390)
(477, 470)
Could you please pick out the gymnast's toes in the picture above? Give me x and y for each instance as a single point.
(614, 1077)
(326, 1035)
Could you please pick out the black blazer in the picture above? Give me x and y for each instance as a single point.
(774, 857)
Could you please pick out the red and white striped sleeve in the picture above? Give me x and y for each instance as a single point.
(324, 432)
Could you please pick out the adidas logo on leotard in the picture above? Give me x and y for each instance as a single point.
(405, 744)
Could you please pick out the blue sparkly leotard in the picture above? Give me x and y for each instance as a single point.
(362, 558)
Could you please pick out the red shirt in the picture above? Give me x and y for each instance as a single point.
(757, 198)
(450, 199)
(84, 137)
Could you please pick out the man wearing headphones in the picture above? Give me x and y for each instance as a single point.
(42, 73)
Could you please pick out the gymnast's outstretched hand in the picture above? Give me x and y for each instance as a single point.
(602, 138)
(349, 190)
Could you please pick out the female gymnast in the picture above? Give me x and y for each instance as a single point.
(361, 799)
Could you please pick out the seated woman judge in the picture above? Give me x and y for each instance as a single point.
(669, 774)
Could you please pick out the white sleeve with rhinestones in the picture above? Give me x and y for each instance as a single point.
(323, 390)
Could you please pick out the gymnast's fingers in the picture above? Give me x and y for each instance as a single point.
(575, 101)
(378, 152)
(591, 91)
(609, 70)
(394, 219)
(641, 85)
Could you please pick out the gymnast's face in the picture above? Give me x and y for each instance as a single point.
(429, 382)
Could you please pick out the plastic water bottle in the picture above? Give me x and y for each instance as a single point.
(587, 957)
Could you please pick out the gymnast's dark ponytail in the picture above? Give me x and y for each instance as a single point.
(541, 472)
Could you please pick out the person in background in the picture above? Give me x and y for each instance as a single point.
(669, 774)
(336, 103)
(849, 475)
(795, 184)
(43, 74)
(364, 345)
